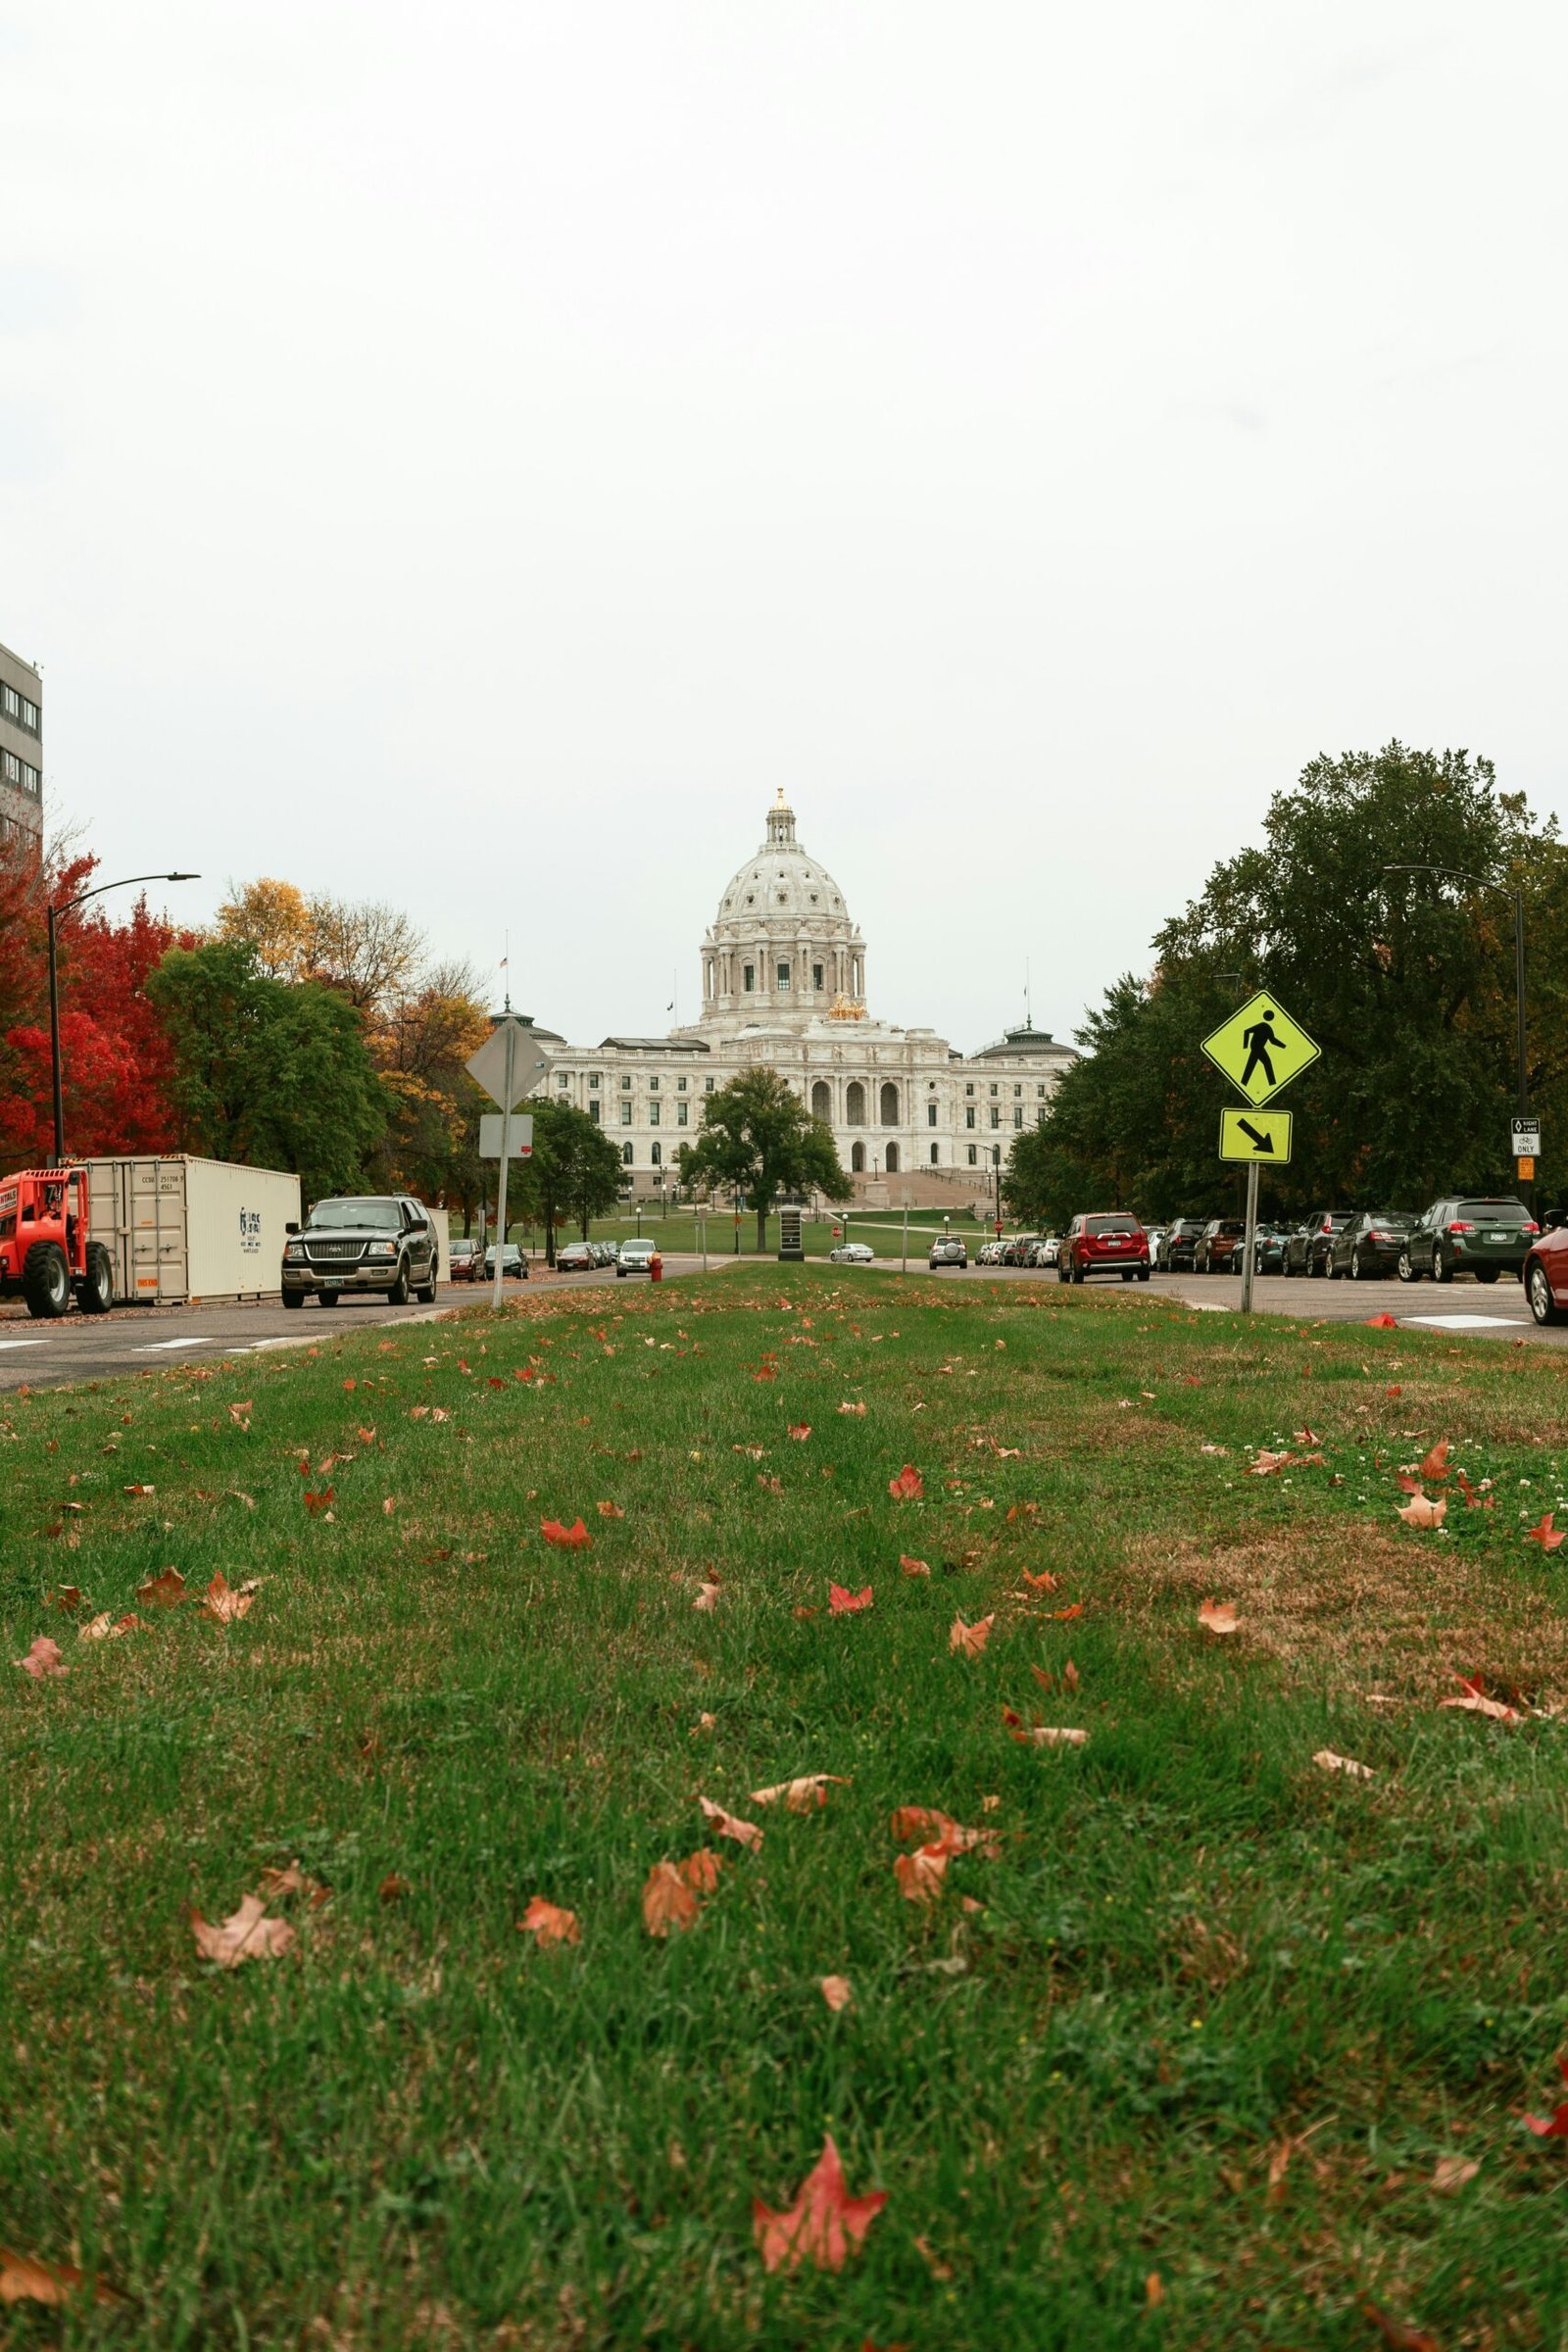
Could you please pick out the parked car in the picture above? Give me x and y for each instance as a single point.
(513, 1265)
(1307, 1251)
(1177, 1248)
(1219, 1247)
(577, 1257)
(1370, 1244)
(636, 1257)
(1155, 1234)
(1462, 1234)
(1545, 1275)
(1046, 1253)
(989, 1254)
(949, 1249)
(379, 1242)
(1109, 1243)
(852, 1253)
(465, 1257)
(1269, 1248)
(1016, 1250)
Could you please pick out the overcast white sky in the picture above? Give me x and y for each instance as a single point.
(473, 455)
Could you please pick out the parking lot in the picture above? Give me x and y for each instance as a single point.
(1493, 1311)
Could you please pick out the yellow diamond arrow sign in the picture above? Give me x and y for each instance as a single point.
(1260, 1049)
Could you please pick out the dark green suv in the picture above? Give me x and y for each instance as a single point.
(1465, 1235)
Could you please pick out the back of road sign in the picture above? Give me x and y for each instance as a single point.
(487, 1067)
(1260, 1049)
(491, 1123)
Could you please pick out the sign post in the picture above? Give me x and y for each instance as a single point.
(503, 1066)
(905, 1267)
(1261, 1049)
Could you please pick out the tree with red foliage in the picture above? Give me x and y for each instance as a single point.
(117, 1066)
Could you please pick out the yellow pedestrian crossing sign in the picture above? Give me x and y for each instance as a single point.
(1260, 1049)
(1261, 1135)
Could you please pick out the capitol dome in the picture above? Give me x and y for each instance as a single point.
(782, 948)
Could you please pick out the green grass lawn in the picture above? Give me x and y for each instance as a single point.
(678, 1231)
(1216, 2047)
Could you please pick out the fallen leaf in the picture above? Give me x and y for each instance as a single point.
(1065, 1616)
(707, 1598)
(1218, 1616)
(841, 1602)
(275, 1884)
(823, 2227)
(918, 1823)
(240, 1414)
(1474, 1701)
(800, 1431)
(969, 1641)
(317, 1504)
(920, 1875)
(1043, 1735)
(701, 1870)
(224, 1602)
(1435, 1465)
(549, 1924)
(1045, 1582)
(140, 1489)
(1545, 1535)
(1393, 2333)
(365, 1436)
(164, 1591)
(107, 1627)
(1555, 2125)
(728, 1825)
(908, 1485)
(857, 1409)
(1453, 2172)
(1264, 1464)
(837, 1991)
(667, 1901)
(1422, 1511)
(393, 1890)
(68, 1599)
(1328, 1761)
(610, 1510)
(914, 1567)
(572, 1538)
(247, 1934)
(804, 1795)
(704, 1723)
(1475, 1500)
(43, 1659)
(939, 2270)
(1381, 1323)
(24, 2278)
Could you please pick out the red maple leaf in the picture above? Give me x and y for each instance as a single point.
(823, 2227)
(1545, 1535)
(1555, 2125)
(316, 1504)
(842, 1602)
(908, 1485)
(1436, 1463)
(573, 1538)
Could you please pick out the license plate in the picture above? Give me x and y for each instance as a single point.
(1495, 1237)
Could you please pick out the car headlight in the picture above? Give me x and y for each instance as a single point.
(294, 1249)
(382, 1250)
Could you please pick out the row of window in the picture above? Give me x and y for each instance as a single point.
(1040, 1090)
(564, 1080)
(656, 1158)
(20, 774)
(782, 981)
(18, 709)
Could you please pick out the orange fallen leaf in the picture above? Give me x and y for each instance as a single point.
(318, 1504)
(549, 1924)
(1450, 2172)
(165, 1591)
(68, 1599)
(921, 1875)
(1065, 1616)
(804, 1795)
(393, 1890)
(275, 1884)
(1422, 1511)
(857, 1409)
(701, 1870)
(224, 1602)
(1382, 1323)
(1042, 1735)
(43, 1659)
(139, 1489)
(1327, 1761)
(1266, 1464)
(914, 1567)
(105, 1626)
(1218, 1616)
(911, 1823)
(247, 1934)
(1045, 1582)
(1555, 2125)
(908, 1485)
(1474, 1701)
(707, 1597)
(1435, 1465)
(610, 1510)
(841, 1602)
(729, 1825)
(669, 1901)
(1396, 2335)
(240, 1414)
(24, 2278)
(823, 2227)
(969, 1641)
(837, 1991)
(572, 1538)
(366, 1435)
(800, 1431)
(1545, 1533)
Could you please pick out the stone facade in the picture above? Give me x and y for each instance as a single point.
(784, 983)
(21, 755)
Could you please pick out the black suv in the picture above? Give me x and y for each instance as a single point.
(1307, 1249)
(381, 1243)
(1369, 1245)
(1177, 1248)
(1466, 1235)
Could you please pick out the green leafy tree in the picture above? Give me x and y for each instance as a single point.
(270, 1072)
(1406, 982)
(759, 1136)
(575, 1170)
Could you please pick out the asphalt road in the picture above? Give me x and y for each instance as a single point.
(133, 1339)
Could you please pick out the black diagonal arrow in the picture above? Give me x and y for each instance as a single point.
(1261, 1139)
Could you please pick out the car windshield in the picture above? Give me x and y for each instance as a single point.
(383, 1215)
(1396, 1217)
(1495, 1213)
(1337, 1219)
(1099, 1225)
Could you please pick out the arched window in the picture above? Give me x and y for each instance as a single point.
(890, 1103)
(625, 1156)
(821, 1100)
(891, 1159)
(656, 1155)
(933, 1155)
(783, 975)
(858, 1158)
(855, 1108)
(749, 978)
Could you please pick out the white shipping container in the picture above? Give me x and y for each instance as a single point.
(440, 1224)
(185, 1229)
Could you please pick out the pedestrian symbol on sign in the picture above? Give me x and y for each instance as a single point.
(1257, 1040)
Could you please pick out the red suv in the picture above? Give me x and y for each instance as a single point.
(1107, 1245)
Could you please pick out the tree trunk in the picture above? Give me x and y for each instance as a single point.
(761, 1232)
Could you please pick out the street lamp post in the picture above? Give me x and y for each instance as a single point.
(1459, 873)
(54, 914)
(995, 1178)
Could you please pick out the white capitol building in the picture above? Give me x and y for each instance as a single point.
(784, 984)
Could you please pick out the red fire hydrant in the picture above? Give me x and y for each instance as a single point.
(655, 1268)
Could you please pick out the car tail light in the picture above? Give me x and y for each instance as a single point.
(1459, 1227)
(1529, 1228)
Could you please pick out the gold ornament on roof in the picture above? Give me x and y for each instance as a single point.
(845, 1008)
